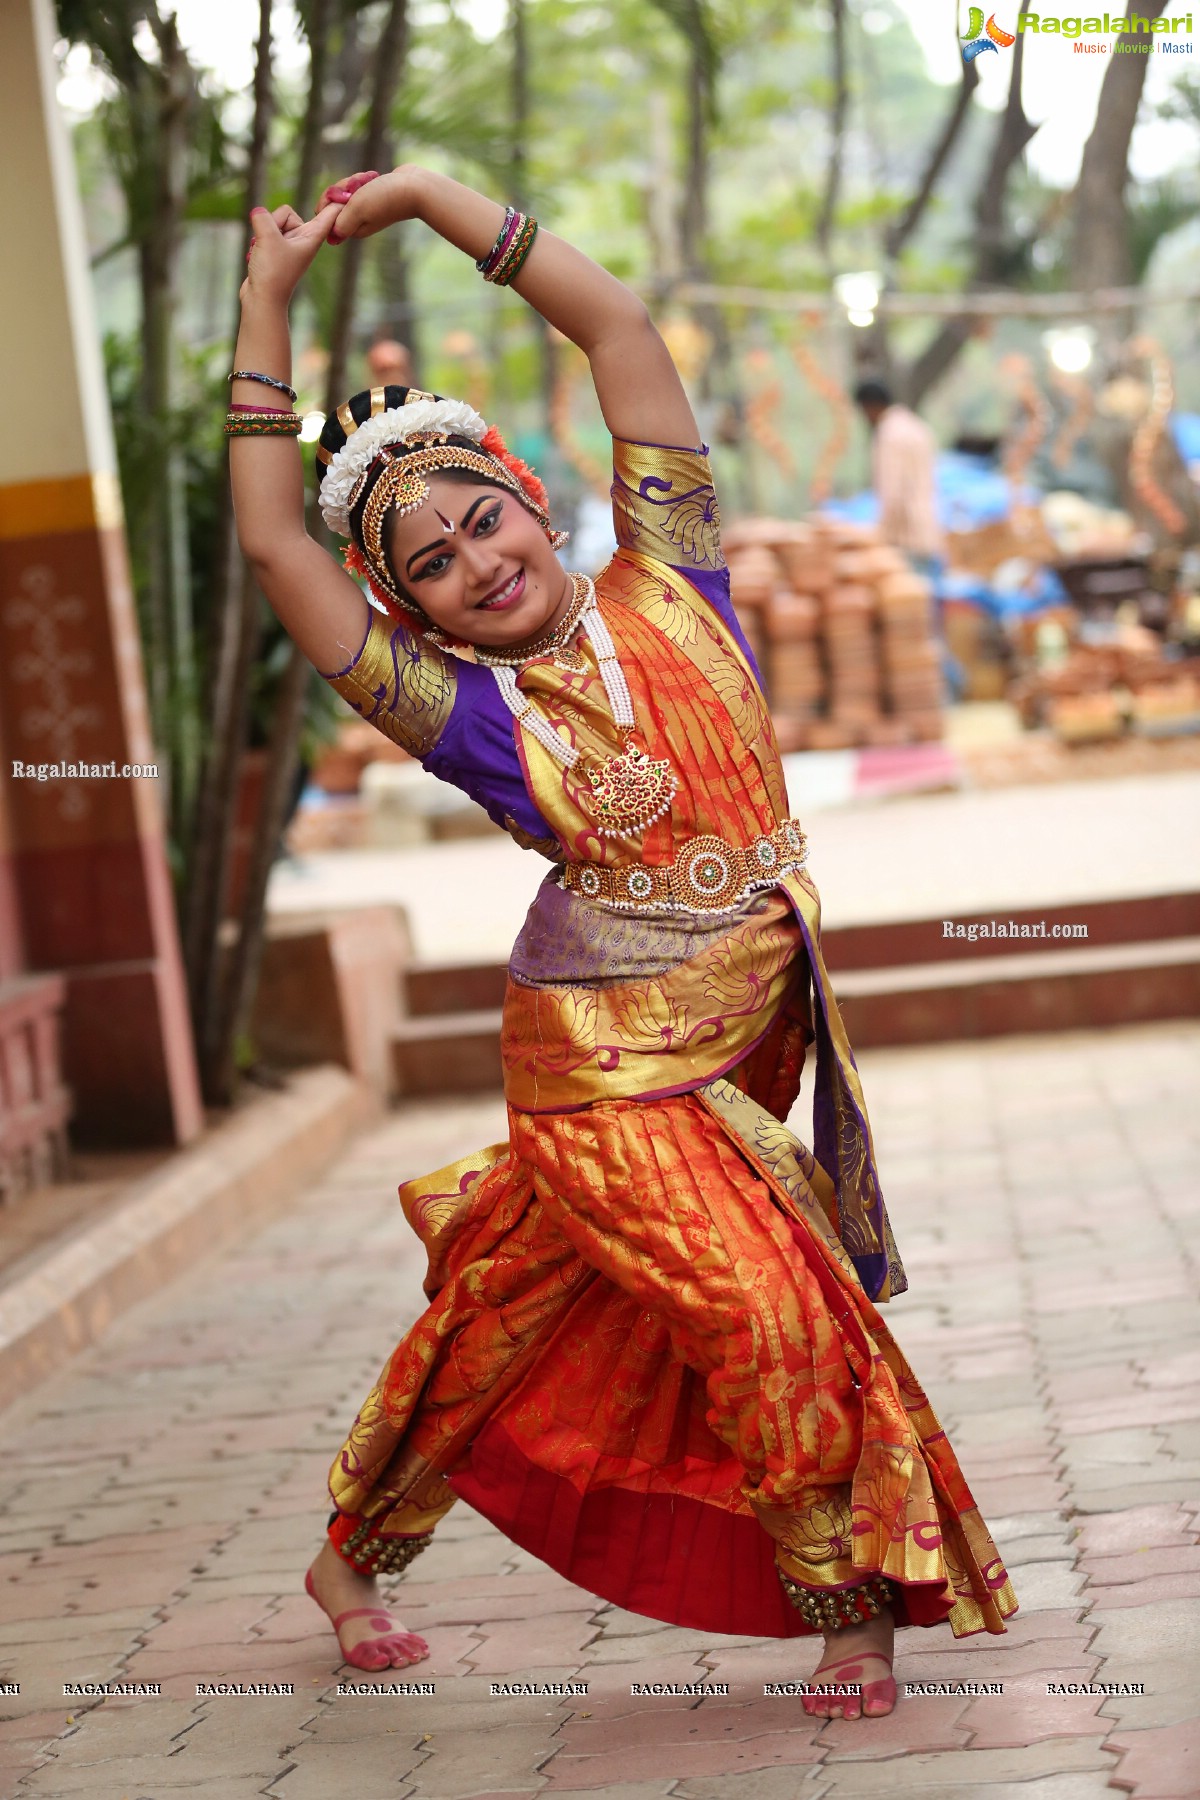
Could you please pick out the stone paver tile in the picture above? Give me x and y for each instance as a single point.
(1181, 1370)
(727, 1756)
(1026, 1714)
(1143, 1632)
(256, 1661)
(126, 1727)
(525, 1793)
(1180, 1436)
(998, 1660)
(146, 1775)
(36, 1725)
(762, 1784)
(1109, 1498)
(1031, 1493)
(223, 1724)
(919, 1723)
(970, 1772)
(42, 1668)
(123, 1624)
(465, 1763)
(609, 1684)
(1088, 1785)
(1059, 1625)
(1134, 1529)
(1142, 1593)
(1140, 1445)
(1163, 1763)
(653, 1648)
(1045, 1586)
(1015, 1527)
(750, 1665)
(506, 1645)
(1165, 1406)
(1169, 1696)
(194, 1622)
(1018, 1552)
(500, 1597)
(714, 1722)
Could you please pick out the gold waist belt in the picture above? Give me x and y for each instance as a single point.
(708, 875)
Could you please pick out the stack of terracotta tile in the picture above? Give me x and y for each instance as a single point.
(843, 633)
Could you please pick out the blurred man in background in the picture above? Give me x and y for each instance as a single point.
(903, 452)
(903, 459)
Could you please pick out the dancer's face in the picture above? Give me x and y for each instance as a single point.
(478, 563)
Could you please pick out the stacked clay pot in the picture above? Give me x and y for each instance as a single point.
(843, 632)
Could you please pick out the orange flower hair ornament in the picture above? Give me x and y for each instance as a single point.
(495, 446)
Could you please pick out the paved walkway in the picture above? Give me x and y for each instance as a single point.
(163, 1495)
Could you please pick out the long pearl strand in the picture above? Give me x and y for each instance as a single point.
(612, 675)
(630, 791)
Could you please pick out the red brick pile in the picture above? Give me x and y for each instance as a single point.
(843, 631)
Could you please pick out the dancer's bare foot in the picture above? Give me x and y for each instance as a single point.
(368, 1631)
(857, 1656)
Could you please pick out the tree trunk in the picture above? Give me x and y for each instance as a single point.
(1100, 252)
(166, 112)
(311, 142)
(518, 179)
(1012, 135)
(245, 958)
(903, 228)
(837, 130)
(235, 642)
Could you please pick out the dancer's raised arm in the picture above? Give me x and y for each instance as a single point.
(639, 390)
(318, 603)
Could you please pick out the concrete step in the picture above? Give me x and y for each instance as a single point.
(449, 1053)
(432, 989)
(901, 943)
(1079, 988)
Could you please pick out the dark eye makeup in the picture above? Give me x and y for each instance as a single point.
(484, 525)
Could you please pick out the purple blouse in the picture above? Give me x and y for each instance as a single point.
(449, 713)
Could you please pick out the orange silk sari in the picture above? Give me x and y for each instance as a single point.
(650, 1353)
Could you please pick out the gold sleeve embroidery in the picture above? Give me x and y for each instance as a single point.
(665, 505)
(401, 686)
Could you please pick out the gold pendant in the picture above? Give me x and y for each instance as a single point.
(630, 791)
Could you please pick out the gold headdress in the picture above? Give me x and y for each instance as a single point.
(388, 455)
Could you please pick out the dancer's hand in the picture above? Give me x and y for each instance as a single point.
(371, 202)
(284, 245)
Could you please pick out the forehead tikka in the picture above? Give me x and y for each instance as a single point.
(401, 488)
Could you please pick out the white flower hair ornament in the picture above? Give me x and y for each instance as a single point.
(346, 470)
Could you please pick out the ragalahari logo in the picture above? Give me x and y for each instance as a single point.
(980, 37)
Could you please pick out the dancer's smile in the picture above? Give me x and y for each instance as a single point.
(507, 594)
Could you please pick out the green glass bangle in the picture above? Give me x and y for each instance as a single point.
(269, 425)
(518, 261)
(519, 249)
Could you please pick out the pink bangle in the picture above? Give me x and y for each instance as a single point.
(282, 411)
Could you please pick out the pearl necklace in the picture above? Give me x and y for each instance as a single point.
(629, 791)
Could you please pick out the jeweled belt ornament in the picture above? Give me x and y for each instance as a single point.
(629, 791)
(708, 874)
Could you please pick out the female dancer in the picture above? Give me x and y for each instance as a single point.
(652, 1353)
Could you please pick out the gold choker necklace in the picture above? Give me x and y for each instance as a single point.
(554, 642)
